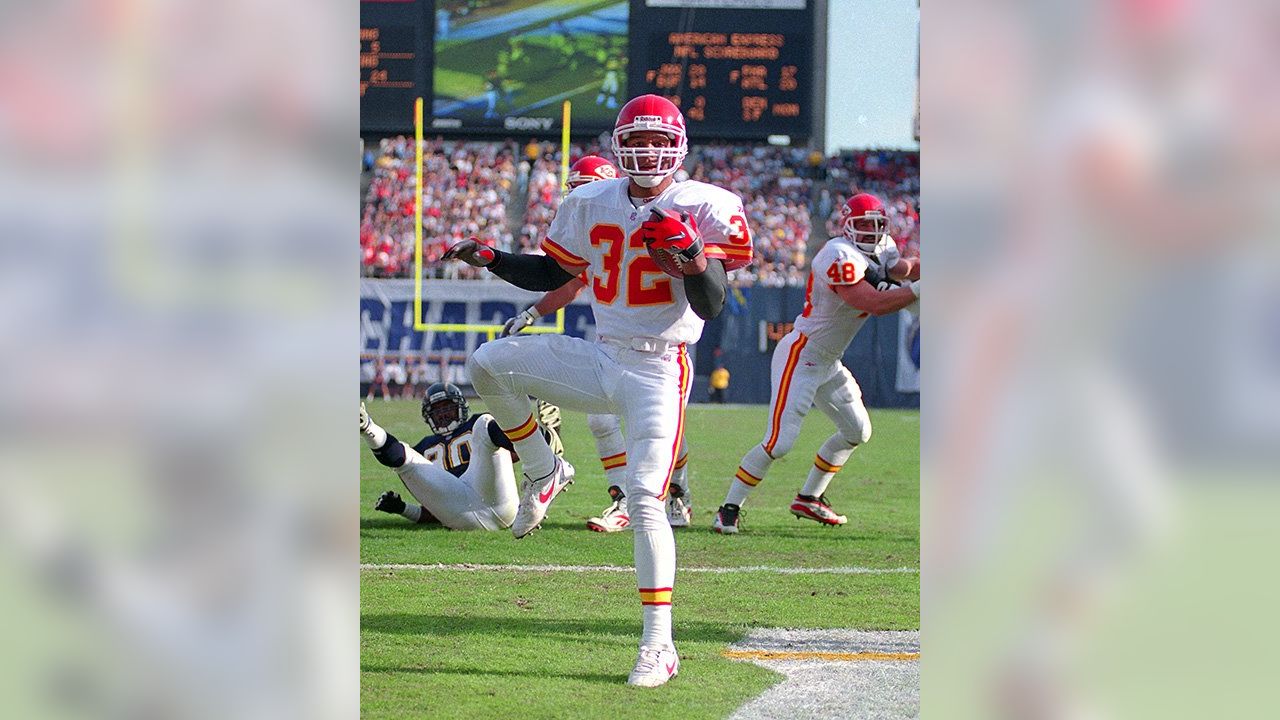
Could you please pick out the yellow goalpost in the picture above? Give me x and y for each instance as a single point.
(491, 330)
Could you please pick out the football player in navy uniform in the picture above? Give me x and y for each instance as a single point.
(461, 474)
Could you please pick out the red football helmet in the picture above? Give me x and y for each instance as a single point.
(869, 211)
(590, 168)
(650, 112)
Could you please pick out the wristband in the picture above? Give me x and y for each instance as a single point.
(690, 253)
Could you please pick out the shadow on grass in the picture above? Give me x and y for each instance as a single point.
(585, 630)
(753, 536)
(533, 672)
(381, 523)
(395, 521)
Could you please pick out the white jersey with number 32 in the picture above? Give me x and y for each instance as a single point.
(597, 227)
(826, 319)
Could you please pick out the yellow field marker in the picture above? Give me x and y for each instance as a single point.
(491, 330)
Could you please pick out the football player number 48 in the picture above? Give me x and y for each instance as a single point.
(842, 272)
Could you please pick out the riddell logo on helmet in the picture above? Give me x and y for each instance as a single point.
(643, 120)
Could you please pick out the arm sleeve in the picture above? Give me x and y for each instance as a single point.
(560, 297)
(706, 291)
(531, 272)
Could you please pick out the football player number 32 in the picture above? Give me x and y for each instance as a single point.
(641, 287)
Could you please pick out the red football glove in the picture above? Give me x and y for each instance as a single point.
(676, 233)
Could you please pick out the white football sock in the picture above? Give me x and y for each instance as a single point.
(655, 558)
(611, 446)
(535, 455)
(755, 464)
(616, 477)
(830, 458)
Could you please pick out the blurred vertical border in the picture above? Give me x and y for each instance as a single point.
(177, 272)
(1102, 376)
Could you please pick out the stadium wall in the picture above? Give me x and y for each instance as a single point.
(742, 337)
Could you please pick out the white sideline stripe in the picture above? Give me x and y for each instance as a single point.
(628, 569)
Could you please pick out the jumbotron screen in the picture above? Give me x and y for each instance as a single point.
(737, 68)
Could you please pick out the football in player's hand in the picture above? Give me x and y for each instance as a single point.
(673, 241)
(672, 266)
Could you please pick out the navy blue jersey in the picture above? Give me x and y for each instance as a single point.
(478, 433)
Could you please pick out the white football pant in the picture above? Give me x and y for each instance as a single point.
(484, 498)
(648, 390)
(801, 379)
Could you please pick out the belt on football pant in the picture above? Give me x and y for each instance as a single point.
(656, 346)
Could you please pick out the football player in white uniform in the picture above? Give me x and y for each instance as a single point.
(638, 368)
(858, 274)
(607, 429)
(461, 474)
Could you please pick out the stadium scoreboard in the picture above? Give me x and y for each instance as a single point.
(395, 62)
(738, 69)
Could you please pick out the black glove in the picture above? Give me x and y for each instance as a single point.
(390, 502)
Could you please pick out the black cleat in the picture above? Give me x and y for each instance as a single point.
(726, 522)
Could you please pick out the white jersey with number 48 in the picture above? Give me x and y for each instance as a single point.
(597, 227)
(829, 323)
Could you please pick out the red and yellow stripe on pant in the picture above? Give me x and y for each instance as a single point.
(746, 477)
(524, 430)
(655, 596)
(784, 389)
(614, 461)
(685, 380)
(684, 460)
(825, 466)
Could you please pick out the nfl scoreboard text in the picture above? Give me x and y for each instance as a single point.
(736, 69)
(395, 62)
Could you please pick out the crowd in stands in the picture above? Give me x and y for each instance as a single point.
(465, 190)
(774, 184)
(468, 185)
(543, 160)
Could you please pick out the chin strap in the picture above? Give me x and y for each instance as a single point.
(648, 181)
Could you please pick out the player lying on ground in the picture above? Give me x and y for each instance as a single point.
(853, 276)
(606, 429)
(657, 251)
(461, 474)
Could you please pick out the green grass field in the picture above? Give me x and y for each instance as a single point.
(458, 643)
